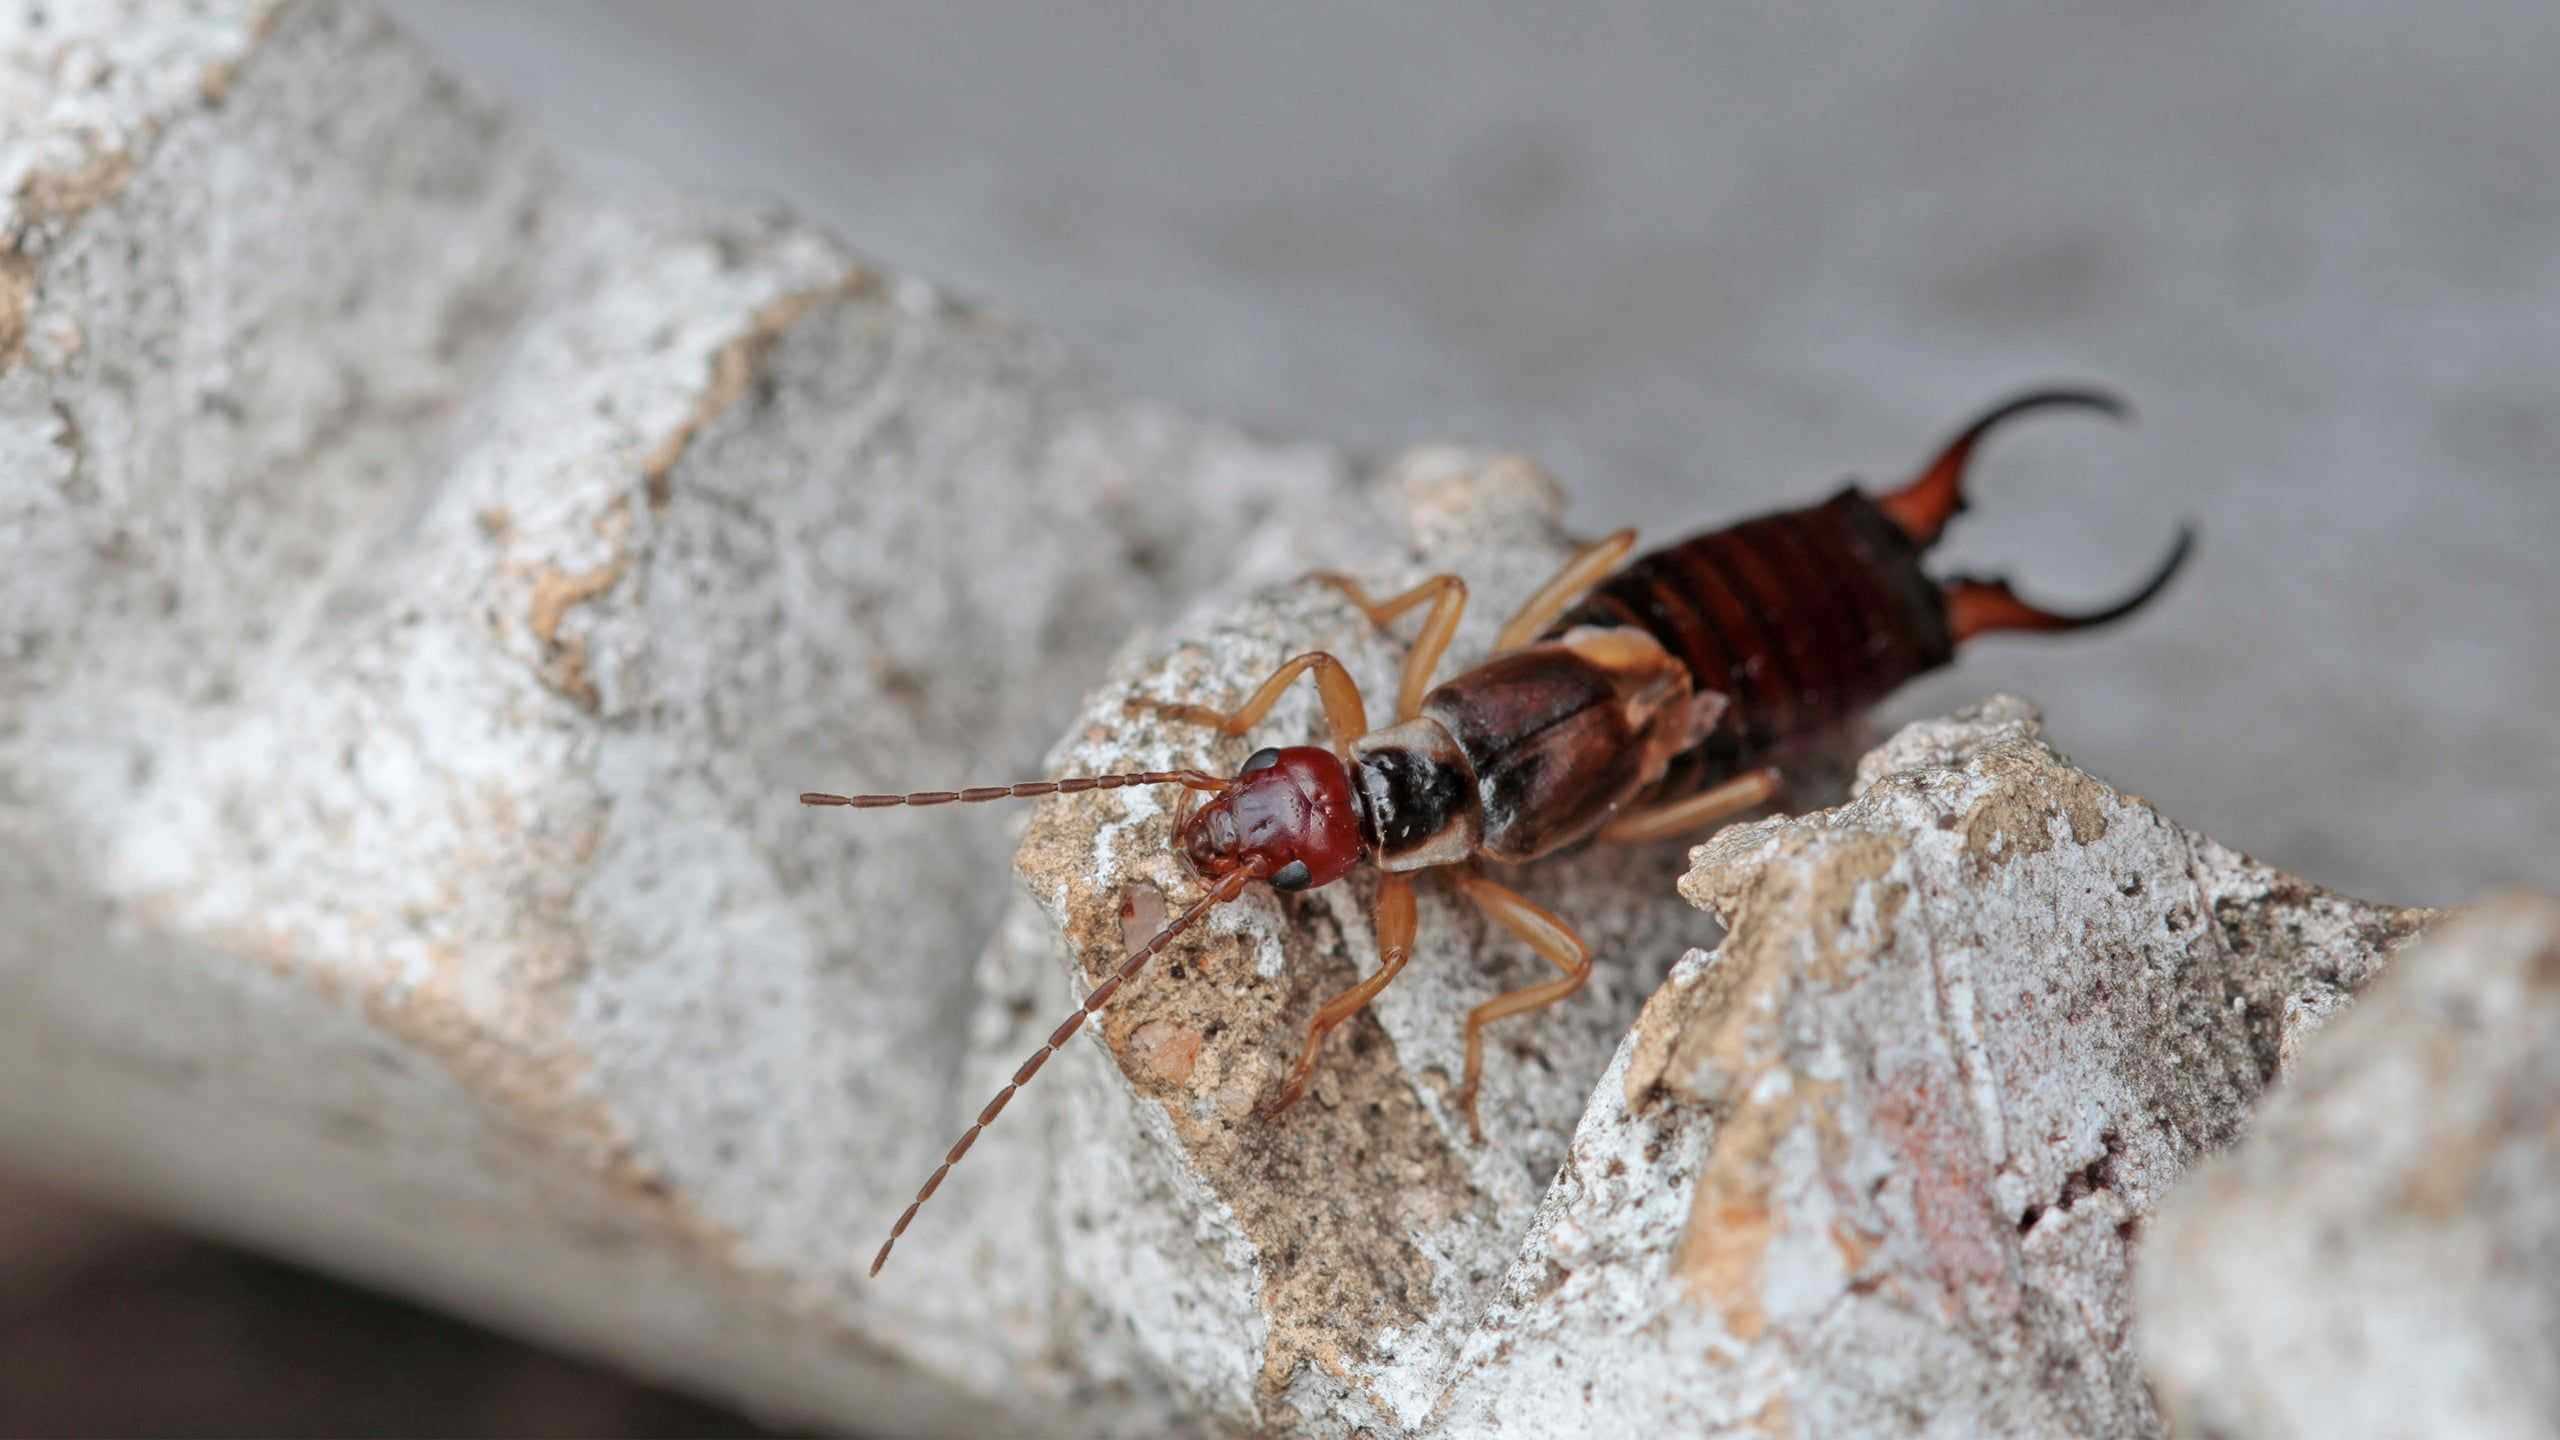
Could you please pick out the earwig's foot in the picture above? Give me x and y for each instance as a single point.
(1290, 1094)
(1447, 597)
(1353, 591)
(1466, 1101)
(1294, 1089)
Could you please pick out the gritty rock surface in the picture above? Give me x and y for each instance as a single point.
(428, 586)
(1880, 1163)
(2381, 1257)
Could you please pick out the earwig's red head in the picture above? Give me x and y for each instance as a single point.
(1291, 811)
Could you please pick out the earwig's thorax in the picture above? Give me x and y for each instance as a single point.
(1417, 796)
(1291, 812)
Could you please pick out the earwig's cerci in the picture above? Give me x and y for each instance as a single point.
(1623, 703)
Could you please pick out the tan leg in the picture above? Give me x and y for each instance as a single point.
(1343, 712)
(1448, 597)
(1557, 596)
(1547, 934)
(1679, 817)
(1396, 922)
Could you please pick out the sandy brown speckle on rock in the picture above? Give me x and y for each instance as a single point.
(66, 194)
(2012, 821)
(17, 299)
(733, 368)
(555, 593)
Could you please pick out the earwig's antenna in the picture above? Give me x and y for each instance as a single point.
(1935, 496)
(1225, 890)
(1067, 785)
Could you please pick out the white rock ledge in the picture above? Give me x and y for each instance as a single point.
(1908, 1121)
(1877, 1166)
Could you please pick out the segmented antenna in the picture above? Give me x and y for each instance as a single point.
(1226, 889)
(1067, 785)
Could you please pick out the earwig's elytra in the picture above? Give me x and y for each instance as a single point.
(1625, 702)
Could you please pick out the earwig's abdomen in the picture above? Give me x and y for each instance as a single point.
(1799, 619)
(1552, 744)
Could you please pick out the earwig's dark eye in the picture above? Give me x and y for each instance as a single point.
(1262, 759)
(1292, 876)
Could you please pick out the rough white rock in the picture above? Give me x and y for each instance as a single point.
(427, 587)
(2381, 1257)
(1878, 1165)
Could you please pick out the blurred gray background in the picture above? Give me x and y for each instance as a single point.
(1703, 260)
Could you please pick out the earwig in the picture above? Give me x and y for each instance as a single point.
(1623, 703)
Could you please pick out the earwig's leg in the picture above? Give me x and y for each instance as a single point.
(1679, 817)
(1571, 583)
(1343, 712)
(1396, 922)
(1549, 936)
(1384, 612)
(1448, 597)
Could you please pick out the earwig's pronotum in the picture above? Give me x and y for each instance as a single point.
(1620, 705)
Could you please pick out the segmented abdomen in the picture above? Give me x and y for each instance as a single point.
(1799, 618)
